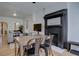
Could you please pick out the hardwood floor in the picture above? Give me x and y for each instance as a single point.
(6, 50)
(9, 51)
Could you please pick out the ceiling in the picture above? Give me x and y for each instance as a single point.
(24, 9)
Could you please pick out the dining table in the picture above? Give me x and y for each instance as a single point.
(23, 40)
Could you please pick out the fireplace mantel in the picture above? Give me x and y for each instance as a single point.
(60, 30)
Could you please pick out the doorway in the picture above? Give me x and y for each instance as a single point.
(3, 34)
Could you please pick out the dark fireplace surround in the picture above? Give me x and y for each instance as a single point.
(59, 31)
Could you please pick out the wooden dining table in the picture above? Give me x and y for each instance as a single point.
(23, 40)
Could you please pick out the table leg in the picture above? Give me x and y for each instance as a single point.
(21, 50)
(18, 53)
(37, 47)
(15, 48)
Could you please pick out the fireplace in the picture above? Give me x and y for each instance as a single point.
(56, 24)
(55, 39)
(56, 31)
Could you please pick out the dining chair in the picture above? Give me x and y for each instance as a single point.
(34, 46)
(47, 45)
(29, 48)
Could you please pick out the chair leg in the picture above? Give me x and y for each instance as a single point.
(25, 52)
(19, 53)
(49, 51)
(15, 49)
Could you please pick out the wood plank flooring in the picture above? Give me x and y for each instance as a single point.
(8, 51)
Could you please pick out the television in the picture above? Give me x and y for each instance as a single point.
(37, 27)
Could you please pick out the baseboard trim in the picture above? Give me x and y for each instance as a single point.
(74, 52)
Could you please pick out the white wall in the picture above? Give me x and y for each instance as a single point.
(30, 24)
(54, 8)
(39, 14)
(38, 18)
(73, 22)
(11, 21)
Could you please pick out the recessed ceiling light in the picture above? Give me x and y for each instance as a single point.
(17, 23)
(14, 14)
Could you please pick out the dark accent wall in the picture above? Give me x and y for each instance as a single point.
(60, 31)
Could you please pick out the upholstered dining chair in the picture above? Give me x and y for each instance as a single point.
(47, 45)
(37, 46)
(29, 48)
(34, 47)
